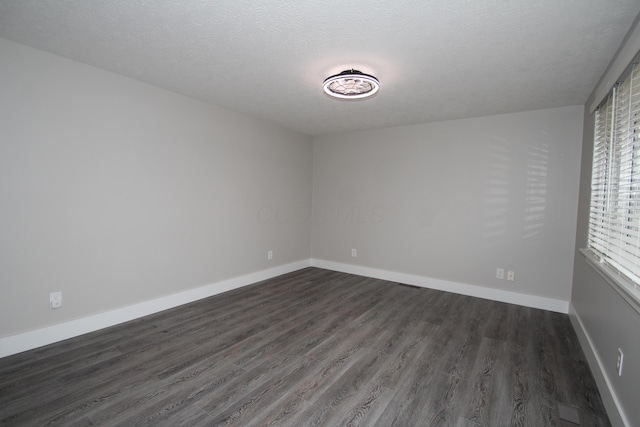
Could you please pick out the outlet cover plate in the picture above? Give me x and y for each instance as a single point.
(619, 361)
(55, 299)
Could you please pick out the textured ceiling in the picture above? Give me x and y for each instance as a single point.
(436, 60)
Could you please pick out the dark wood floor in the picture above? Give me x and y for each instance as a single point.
(313, 347)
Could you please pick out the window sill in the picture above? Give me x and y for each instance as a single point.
(621, 285)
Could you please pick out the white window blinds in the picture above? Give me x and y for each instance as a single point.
(614, 221)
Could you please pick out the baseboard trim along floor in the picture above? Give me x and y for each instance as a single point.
(607, 393)
(50, 334)
(532, 301)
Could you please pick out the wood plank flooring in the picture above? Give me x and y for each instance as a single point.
(311, 348)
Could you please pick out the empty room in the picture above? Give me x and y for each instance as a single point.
(251, 213)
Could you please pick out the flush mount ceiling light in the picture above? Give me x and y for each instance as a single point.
(351, 84)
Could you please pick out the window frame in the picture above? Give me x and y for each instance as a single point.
(613, 236)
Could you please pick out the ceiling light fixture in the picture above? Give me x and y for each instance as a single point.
(351, 84)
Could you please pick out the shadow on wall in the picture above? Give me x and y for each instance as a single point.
(501, 180)
(536, 193)
(496, 200)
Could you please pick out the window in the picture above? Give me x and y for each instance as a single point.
(614, 219)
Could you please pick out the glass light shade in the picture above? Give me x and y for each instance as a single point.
(351, 84)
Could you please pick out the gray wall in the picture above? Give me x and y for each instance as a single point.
(454, 200)
(606, 321)
(116, 192)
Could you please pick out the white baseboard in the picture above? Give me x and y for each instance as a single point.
(615, 412)
(532, 301)
(50, 334)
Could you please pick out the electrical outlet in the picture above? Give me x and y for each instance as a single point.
(511, 276)
(270, 255)
(55, 300)
(500, 273)
(619, 362)
(354, 253)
